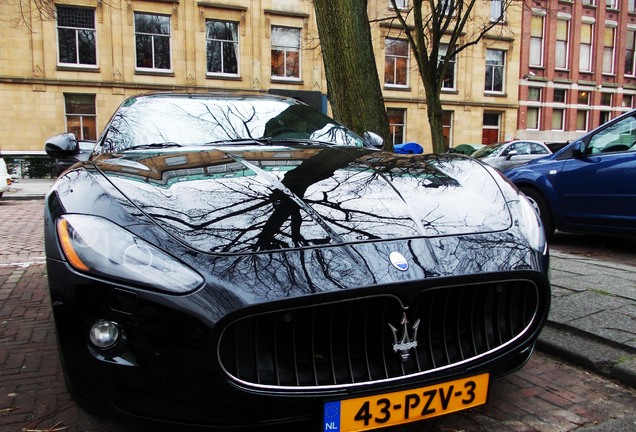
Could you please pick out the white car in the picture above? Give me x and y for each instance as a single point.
(509, 154)
(5, 178)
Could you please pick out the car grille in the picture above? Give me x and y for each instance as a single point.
(351, 342)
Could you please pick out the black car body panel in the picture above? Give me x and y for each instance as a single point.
(289, 246)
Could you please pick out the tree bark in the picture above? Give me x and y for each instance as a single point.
(353, 85)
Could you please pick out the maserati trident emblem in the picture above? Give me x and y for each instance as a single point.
(406, 342)
(398, 261)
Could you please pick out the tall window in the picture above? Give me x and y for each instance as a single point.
(285, 52)
(608, 50)
(76, 36)
(629, 53)
(80, 115)
(152, 41)
(222, 47)
(611, 4)
(581, 120)
(496, 10)
(401, 4)
(448, 80)
(628, 101)
(533, 111)
(396, 117)
(536, 40)
(585, 60)
(631, 6)
(562, 47)
(605, 114)
(558, 112)
(495, 70)
(396, 62)
(447, 127)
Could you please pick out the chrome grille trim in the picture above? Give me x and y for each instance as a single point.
(451, 343)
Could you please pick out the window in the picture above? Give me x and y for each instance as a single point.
(76, 36)
(562, 47)
(396, 118)
(629, 53)
(583, 98)
(490, 131)
(559, 96)
(616, 138)
(401, 4)
(631, 6)
(606, 99)
(495, 70)
(589, 2)
(285, 52)
(496, 10)
(608, 50)
(447, 7)
(604, 117)
(448, 80)
(533, 111)
(396, 62)
(585, 60)
(611, 4)
(222, 47)
(80, 115)
(558, 114)
(152, 41)
(628, 101)
(581, 120)
(447, 127)
(536, 40)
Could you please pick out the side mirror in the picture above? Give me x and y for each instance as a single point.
(372, 139)
(578, 149)
(511, 154)
(62, 146)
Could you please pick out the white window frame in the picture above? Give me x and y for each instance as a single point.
(496, 11)
(452, 67)
(562, 49)
(501, 67)
(225, 43)
(285, 49)
(609, 51)
(395, 64)
(587, 49)
(77, 30)
(154, 37)
(537, 40)
(630, 69)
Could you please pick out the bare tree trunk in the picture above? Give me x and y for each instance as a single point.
(353, 84)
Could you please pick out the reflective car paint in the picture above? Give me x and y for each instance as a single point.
(297, 233)
(589, 185)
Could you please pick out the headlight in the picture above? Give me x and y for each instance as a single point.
(531, 224)
(98, 246)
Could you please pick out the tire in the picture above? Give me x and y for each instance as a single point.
(541, 206)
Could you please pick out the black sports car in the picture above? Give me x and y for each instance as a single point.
(230, 260)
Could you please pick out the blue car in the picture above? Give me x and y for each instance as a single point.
(589, 185)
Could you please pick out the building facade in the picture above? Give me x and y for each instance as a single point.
(577, 66)
(69, 71)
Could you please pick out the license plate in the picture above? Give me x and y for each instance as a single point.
(371, 412)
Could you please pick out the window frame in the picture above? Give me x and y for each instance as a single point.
(452, 70)
(223, 43)
(609, 51)
(286, 50)
(590, 49)
(77, 38)
(494, 9)
(81, 116)
(492, 69)
(153, 38)
(629, 70)
(537, 47)
(394, 127)
(565, 43)
(396, 63)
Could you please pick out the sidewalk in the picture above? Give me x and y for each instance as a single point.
(28, 189)
(592, 320)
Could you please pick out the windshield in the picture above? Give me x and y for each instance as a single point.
(488, 150)
(204, 119)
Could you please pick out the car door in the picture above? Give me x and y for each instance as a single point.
(597, 188)
(516, 154)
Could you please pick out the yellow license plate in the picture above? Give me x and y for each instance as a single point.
(371, 412)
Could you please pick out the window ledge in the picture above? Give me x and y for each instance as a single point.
(167, 73)
(286, 80)
(224, 77)
(80, 68)
(397, 87)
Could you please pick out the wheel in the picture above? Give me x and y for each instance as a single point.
(541, 206)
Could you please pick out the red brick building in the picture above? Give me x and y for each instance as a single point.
(577, 66)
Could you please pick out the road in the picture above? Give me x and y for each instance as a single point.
(546, 395)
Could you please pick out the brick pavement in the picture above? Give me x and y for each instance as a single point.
(546, 395)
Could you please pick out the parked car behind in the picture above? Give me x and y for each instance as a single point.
(466, 149)
(5, 178)
(589, 185)
(232, 260)
(509, 154)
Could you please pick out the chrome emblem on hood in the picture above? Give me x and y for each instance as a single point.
(398, 261)
(406, 342)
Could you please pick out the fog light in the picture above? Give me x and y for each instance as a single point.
(104, 334)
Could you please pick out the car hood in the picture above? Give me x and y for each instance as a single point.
(241, 199)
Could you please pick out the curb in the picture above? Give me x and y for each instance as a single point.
(590, 352)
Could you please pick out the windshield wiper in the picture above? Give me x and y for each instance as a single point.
(230, 141)
(154, 146)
